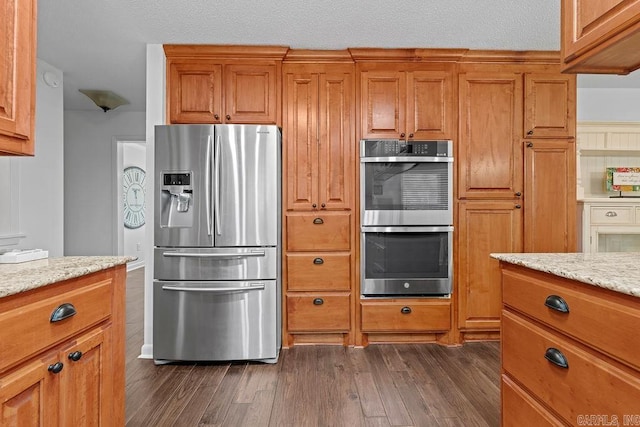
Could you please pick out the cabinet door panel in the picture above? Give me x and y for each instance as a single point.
(17, 76)
(300, 140)
(550, 196)
(484, 228)
(550, 106)
(383, 104)
(335, 145)
(429, 105)
(84, 384)
(490, 158)
(195, 92)
(29, 395)
(250, 93)
(589, 23)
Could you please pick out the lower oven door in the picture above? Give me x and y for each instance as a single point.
(215, 321)
(406, 261)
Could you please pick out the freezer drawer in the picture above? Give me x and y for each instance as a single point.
(215, 321)
(215, 263)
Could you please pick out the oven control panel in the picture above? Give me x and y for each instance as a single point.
(398, 147)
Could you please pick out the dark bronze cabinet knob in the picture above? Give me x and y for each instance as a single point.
(55, 368)
(318, 301)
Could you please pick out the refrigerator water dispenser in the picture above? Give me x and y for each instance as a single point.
(176, 200)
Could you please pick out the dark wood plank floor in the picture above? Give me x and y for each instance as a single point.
(381, 385)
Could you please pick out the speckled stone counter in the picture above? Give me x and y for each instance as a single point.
(616, 271)
(21, 277)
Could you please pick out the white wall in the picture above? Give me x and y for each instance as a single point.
(31, 206)
(90, 176)
(155, 116)
(608, 105)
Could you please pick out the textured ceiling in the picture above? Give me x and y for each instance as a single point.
(102, 44)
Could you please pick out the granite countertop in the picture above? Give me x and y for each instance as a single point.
(617, 271)
(21, 277)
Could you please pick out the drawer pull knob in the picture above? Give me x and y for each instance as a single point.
(64, 311)
(318, 261)
(75, 356)
(318, 221)
(557, 303)
(611, 214)
(318, 301)
(405, 310)
(55, 368)
(556, 357)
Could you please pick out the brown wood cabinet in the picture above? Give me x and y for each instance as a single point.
(318, 278)
(319, 136)
(547, 354)
(516, 175)
(600, 36)
(484, 227)
(550, 196)
(69, 372)
(407, 101)
(18, 77)
(318, 172)
(223, 84)
(489, 157)
(549, 106)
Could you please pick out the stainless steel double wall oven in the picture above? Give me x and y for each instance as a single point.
(406, 193)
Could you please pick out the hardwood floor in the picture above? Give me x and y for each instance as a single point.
(381, 385)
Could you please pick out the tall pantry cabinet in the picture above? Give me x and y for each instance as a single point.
(318, 176)
(516, 174)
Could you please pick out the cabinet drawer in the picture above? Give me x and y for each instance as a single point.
(405, 316)
(318, 231)
(27, 329)
(590, 314)
(318, 272)
(318, 312)
(519, 409)
(602, 387)
(612, 215)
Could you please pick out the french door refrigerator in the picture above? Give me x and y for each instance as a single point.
(217, 288)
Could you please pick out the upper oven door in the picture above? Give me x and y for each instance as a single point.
(406, 191)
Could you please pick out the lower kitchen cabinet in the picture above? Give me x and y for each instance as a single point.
(60, 360)
(318, 312)
(318, 278)
(399, 315)
(568, 351)
(484, 227)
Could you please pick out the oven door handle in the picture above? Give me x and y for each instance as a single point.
(412, 229)
(406, 159)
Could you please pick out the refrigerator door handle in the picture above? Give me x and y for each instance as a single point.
(252, 287)
(217, 186)
(214, 255)
(207, 185)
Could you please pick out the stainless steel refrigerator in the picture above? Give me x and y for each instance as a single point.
(217, 288)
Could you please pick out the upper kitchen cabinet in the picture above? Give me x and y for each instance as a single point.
(499, 105)
(318, 135)
(403, 97)
(549, 106)
(223, 84)
(600, 36)
(489, 153)
(17, 77)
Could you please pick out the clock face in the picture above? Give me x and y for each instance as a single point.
(133, 195)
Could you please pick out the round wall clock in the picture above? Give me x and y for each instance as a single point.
(133, 194)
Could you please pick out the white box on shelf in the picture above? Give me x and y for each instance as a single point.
(15, 256)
